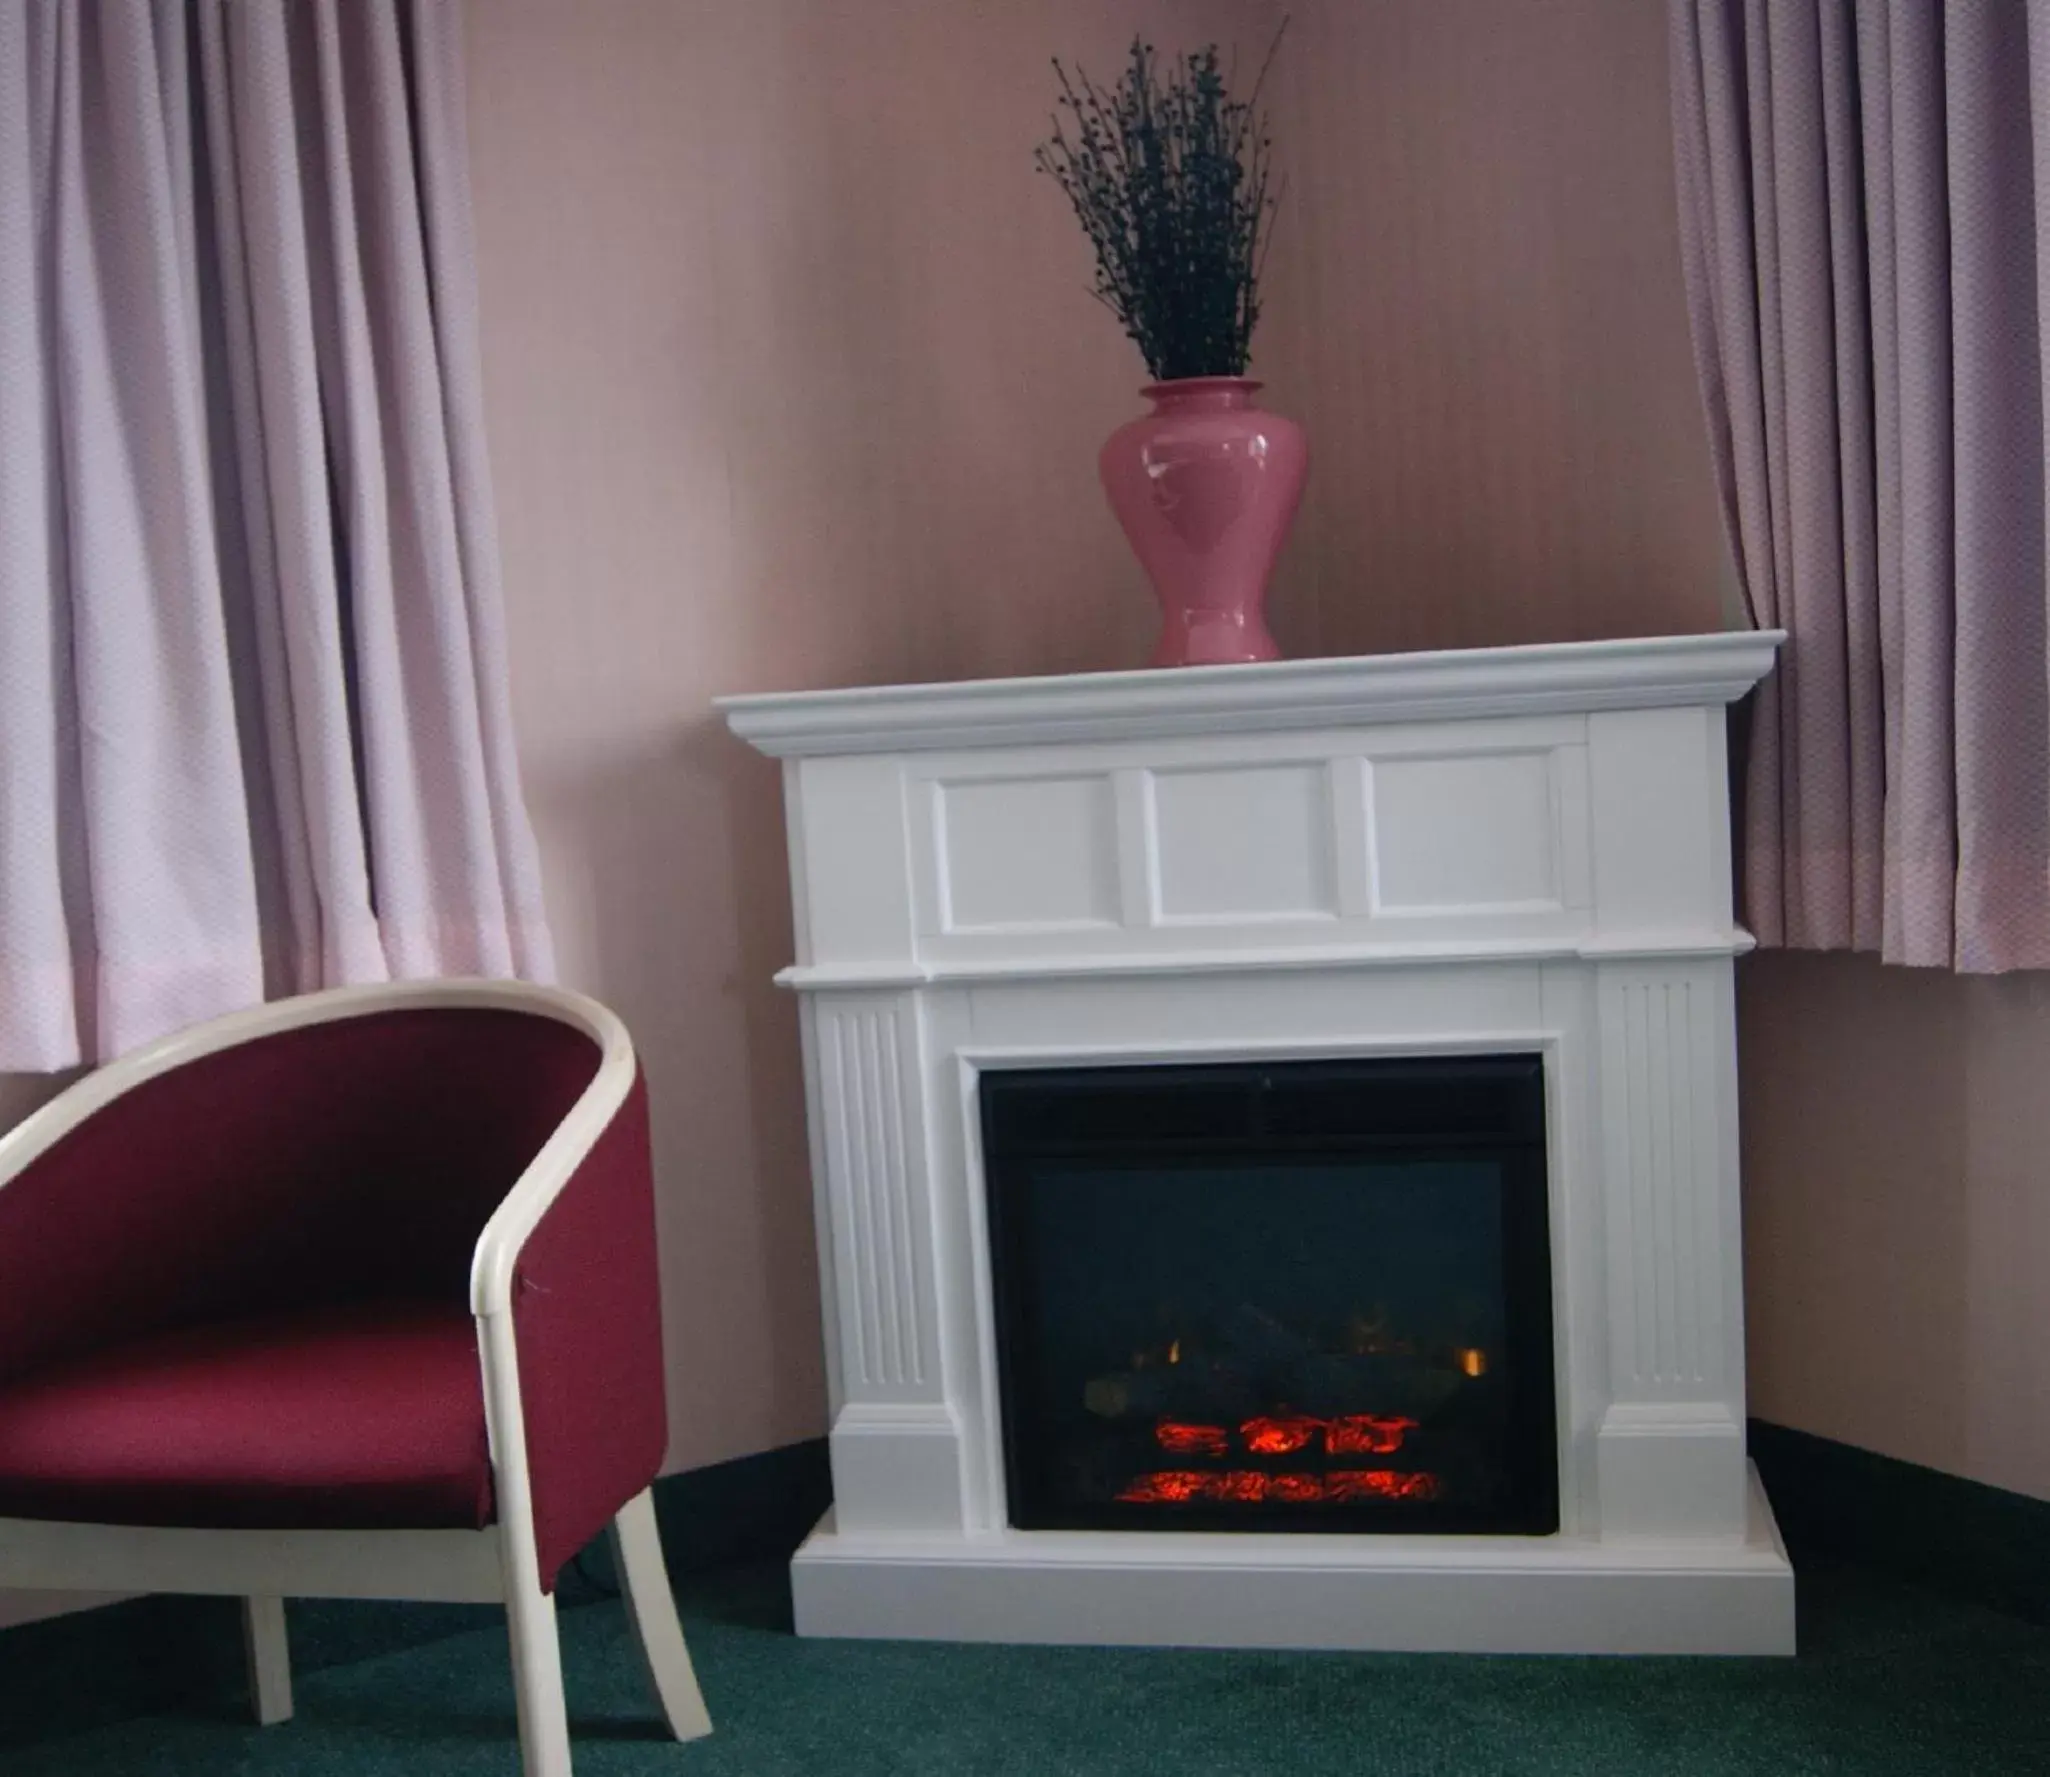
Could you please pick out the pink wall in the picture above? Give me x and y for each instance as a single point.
(1897, 1188)
(1477, 311)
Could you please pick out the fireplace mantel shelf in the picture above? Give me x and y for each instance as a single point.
(1275, 697)
(1497, 851)
(1637, 946)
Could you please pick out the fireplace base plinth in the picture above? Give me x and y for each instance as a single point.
(1497, 1595)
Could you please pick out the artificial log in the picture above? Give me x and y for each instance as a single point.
(1261, 1365)
(1372, 1383)
(1170, 1390)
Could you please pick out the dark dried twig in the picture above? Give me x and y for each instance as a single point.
(1169, 176)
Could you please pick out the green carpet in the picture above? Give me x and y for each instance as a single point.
(1890, 1680)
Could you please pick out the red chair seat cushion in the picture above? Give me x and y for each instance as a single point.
(368, 1417)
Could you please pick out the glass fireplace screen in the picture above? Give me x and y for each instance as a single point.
(1304, 1296)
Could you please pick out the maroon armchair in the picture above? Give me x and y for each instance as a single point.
(351, 1295)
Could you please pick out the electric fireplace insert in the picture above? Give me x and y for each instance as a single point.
(1303, 1296)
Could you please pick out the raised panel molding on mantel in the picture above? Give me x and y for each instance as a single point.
(1319, 846)
(1521, 849)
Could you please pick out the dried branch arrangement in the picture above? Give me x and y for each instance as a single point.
(1169, 175)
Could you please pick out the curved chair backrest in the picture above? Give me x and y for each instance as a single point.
(336, 1147)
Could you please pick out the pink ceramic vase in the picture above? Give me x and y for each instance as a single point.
(1206, 486)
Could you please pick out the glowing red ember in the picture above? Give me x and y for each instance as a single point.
(1380, 1483)
(1280, 1436)
(1183, 1439)
(1366, 1434)
(1169, 1488)
(1249, 1487)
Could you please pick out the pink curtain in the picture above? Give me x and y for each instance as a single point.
(1865, 216)
(254, 706)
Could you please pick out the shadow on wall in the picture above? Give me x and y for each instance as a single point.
(658, 863)
(23, 1094)
(1897, 1209)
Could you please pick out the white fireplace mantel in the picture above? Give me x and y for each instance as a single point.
(1503, 849)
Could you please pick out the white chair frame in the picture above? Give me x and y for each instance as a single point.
(495, 1565)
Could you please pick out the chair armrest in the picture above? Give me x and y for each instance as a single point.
(567, 1291)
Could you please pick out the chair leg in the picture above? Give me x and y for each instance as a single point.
(537, 1681)
(644, 1579)
(269, 1659)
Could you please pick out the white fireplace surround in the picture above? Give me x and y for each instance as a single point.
(1516, 849)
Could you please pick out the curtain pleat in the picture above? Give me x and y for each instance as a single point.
(441, 152)
(1862, 211)
(1863, 767)
(2003, 673)
(171, 932)
(38, 727)
(253, 690)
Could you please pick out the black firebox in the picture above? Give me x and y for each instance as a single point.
(1304, 1296)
